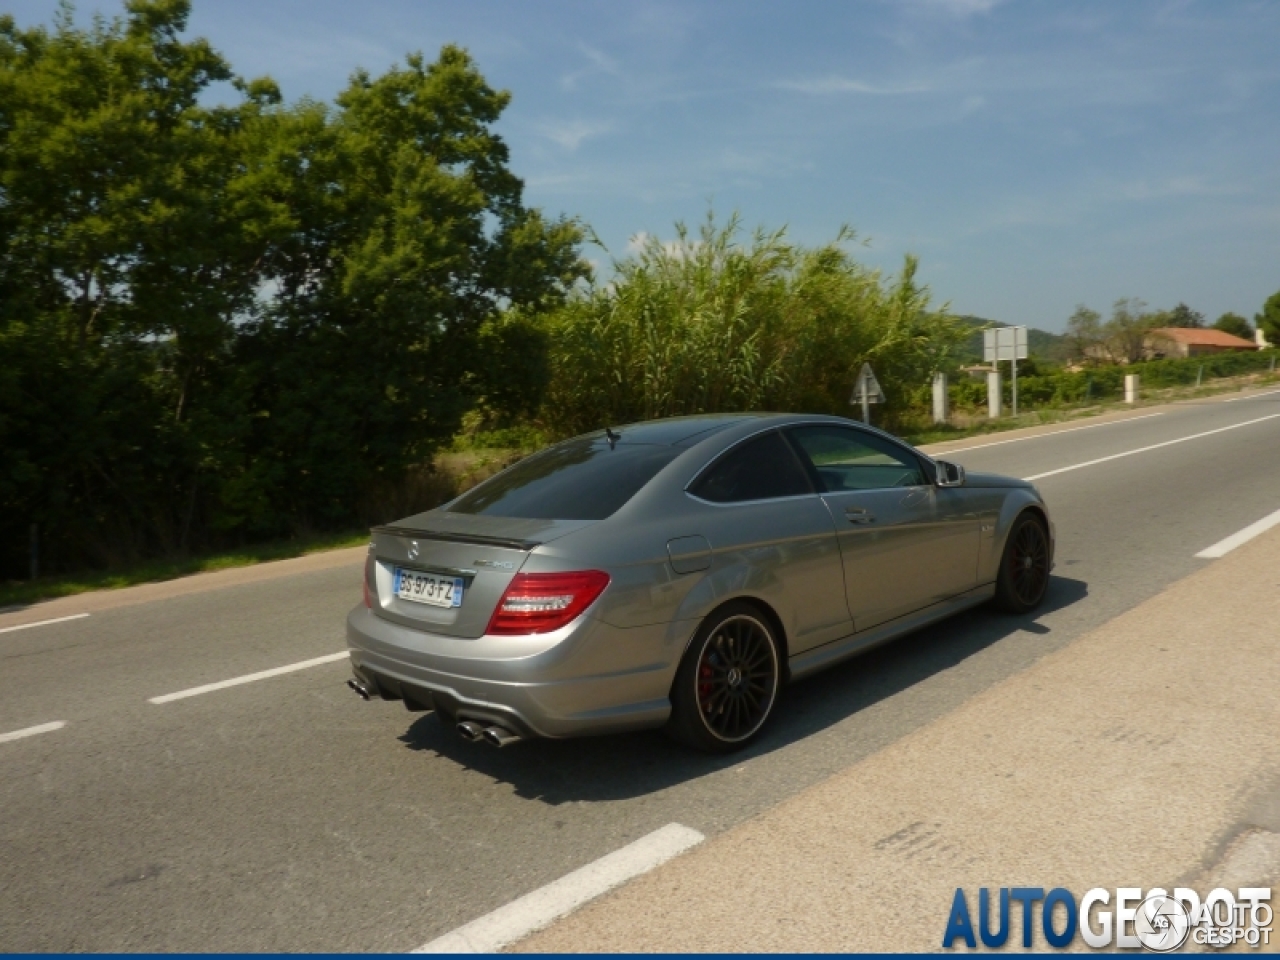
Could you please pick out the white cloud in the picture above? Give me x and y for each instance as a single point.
(598, 62)
(958, 8)
(1178, 187)
(571, 134)
(838, 84)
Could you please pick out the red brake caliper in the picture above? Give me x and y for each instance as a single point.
(704, 685)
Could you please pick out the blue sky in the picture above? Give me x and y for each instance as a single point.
(1035, 155)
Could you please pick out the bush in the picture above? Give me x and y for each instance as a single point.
(710, 324)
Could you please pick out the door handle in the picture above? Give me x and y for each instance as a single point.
(858, 515)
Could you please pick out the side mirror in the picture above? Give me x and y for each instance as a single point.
(949, 474)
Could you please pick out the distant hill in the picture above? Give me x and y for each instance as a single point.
(1041, 344)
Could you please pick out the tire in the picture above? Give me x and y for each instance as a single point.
(727, 685)
(1024, 567)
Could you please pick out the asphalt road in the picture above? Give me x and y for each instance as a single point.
(287, 814)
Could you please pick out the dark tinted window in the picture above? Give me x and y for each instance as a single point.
(578, 480)
(846, 459)
(759, 469)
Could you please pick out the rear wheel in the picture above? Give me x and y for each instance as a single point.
(727, 684)
(1024, 568)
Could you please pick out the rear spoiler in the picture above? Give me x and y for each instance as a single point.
(458, 538)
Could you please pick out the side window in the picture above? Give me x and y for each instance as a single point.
(759, 469)
(845, 459)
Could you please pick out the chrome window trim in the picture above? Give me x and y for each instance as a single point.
(748, 503)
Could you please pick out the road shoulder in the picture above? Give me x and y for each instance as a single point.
(99, 600)
(1142, 754)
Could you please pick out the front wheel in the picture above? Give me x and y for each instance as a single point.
(727, 683)
(1024, 568)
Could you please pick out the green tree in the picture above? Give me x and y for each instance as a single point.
(1084, 334)
(1180, 316)
(122, 268)
(411, 241)
(1268, 321)
(230, 321)
(1235, 325)
(1125, 334)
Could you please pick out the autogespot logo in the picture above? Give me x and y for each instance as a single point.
(1154, 920)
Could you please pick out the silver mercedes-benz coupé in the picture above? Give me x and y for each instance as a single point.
(676, 573)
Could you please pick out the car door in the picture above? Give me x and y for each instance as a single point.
(902, 547)
(772, 537)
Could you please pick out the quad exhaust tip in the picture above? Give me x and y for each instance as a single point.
(500, 736)
(495, 736)
(359, 688)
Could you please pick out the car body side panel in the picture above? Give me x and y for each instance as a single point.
(1013, 502)
(829, 654)
(783, 552)
(958, 513)
(904, 548)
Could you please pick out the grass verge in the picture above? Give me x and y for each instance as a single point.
(458, 470)
(22, 592)
(937, 433)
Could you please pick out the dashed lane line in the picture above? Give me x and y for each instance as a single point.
(1154, 446)
(1240, 537)
(43, 623)
(249, 678)
(538, 909)
(32, 731)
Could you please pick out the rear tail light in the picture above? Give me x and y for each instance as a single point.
(368, 575)
(542, 602)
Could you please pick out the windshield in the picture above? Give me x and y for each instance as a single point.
(584, 479)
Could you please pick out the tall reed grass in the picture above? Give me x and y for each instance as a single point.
(716, 321)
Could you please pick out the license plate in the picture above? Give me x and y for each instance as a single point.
(428, 588)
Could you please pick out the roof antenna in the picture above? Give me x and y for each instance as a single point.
(613, 437)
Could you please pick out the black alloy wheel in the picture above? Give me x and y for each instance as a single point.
(1024, 568)
(727, 685)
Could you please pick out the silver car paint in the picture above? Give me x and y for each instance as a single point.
(612, 668)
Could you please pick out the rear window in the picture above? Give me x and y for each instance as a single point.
(578, 480)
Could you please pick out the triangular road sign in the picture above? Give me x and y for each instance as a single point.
(866, 379)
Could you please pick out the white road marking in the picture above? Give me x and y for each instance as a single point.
(249, 678)
(1265, 393)
(32, 731)
(535, 910)
(1223, 547)
(1154, 446)
(42, 623)
(1055, 433)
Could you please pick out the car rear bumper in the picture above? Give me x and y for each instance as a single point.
(588, 678)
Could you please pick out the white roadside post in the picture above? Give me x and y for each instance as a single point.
(941, 402)
(866, 390)
(1130, 388)
(1003, 343)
